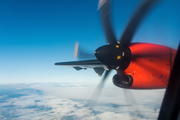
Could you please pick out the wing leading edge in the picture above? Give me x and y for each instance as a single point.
(79, 65)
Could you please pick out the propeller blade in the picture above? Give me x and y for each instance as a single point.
(104, 6)
(98, 90)
(101, 3)
(135, 20)
(80, 53)
(132, 102)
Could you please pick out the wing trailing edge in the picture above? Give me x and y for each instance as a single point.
(79, 65)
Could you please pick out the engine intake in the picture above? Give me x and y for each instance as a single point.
(123, 81)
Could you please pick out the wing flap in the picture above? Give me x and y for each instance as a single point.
(99, 70)
(78, 68)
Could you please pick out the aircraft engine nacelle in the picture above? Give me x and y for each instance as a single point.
(123, 82)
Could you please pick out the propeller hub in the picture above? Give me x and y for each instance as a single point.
(114, 56)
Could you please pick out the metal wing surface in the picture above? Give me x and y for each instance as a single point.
(79, 65)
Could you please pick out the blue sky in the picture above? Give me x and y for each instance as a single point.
(34, 34)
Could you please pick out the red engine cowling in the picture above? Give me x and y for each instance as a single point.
(133, 82)
(149, 70)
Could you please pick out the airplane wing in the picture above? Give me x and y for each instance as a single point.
(79, 65)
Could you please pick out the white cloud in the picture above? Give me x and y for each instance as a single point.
(3, 96)
(113, 116)
(67, 102)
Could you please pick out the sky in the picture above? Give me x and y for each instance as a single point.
(34, 34)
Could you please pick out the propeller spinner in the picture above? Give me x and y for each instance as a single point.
(114, 56)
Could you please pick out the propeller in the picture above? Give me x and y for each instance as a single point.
(131, 101)
(143, 9)
(97, 92)
(80, 53)
(117, 54)
(106, 21)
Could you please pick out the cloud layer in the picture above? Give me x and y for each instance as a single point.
(50, 102)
